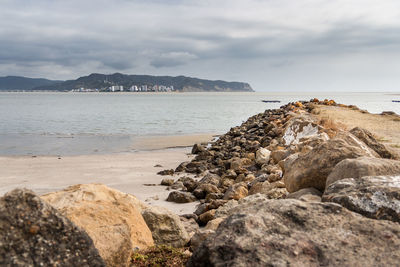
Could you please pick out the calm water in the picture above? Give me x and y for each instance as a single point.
(66, 123)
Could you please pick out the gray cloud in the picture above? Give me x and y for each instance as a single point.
(273, 45)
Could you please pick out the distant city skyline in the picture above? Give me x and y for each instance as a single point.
(303, 45)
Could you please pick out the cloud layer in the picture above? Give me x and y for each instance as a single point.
(272, 44)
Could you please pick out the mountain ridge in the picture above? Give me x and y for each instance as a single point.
(180, 83)
(104, 81)
(13, 83)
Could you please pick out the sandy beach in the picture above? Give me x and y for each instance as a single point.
(133, 173)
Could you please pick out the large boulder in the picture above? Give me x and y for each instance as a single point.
(376, 197)
(32, 233)
(295, 233)
(363, 166)
(111, 218)
(369, 139)
(166, 227)
(312, 168)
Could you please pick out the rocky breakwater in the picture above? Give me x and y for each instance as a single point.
(275, 191)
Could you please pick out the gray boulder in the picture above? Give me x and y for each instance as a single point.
(165, 226)
(32, 233)
(312, 169)
(295, 233)
(376, 197)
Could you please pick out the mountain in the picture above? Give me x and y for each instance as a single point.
(180, 83)
(23, 83)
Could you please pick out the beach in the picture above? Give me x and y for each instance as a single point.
(134, 173)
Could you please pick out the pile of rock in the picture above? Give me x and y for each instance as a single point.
(248, 176)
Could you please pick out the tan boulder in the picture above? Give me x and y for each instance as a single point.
(312, 169)
(363, 166)
(111, 218)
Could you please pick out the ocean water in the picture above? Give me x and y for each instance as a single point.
(81, 123)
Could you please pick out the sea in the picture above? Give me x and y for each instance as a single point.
(50, 123)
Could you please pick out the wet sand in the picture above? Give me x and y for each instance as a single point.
(133, 173)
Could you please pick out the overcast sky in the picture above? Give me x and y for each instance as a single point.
(275, 45)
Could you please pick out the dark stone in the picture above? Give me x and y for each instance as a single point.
(32, 233)
(166, 172)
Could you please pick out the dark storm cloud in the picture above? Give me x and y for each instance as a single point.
(221, 39)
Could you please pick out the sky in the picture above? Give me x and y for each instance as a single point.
(275, 45)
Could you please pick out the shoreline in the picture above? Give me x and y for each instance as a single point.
(130, 172)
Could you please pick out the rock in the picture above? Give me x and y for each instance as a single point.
(197, 148)
(181, 197)
(368, 138)
(111, 218)
(189, 183)
(363, 166)
(299, 128)
(210, 179)
(306, 194)
(376, 197)
(207, 216)
(32, 233)
(236, 191)
(312, 169)
(278, 155)
(213, 196)
(190, 225)
(199, 237)
(273, 177)
(295, 233)
(262, 156)
(245, 178)
(166, 172)
(167, 181)
(182, 166)
(213, 224)
(274, 190)
(165, 226)
(178, 185)
(204, 189)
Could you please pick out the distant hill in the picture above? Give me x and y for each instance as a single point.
(23, 83)
(180, 83)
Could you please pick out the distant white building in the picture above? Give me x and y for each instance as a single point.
(116, 88)
(143, 88)
(134, 88)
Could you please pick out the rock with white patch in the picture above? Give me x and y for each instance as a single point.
(376, 197)
(299, 128)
